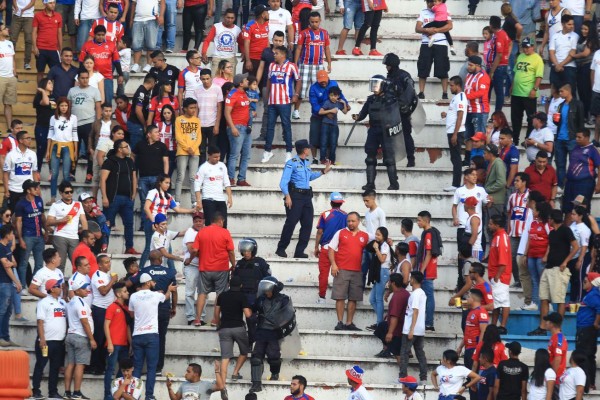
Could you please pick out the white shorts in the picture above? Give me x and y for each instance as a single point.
(501, 294)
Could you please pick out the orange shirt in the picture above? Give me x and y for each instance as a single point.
(118, 324)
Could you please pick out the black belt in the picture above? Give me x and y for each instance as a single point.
(301, 191)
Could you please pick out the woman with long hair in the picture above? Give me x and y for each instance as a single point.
(513, 29)
(222, 139)
(498, 123)
(587, 45)
(536, 247)
(379, 271)
(572, 381)
(167, 134)
(62, 144)
(96, 78)
(44, 103)
(224, 73)
(543, 377)
(578, 265)
(165, 97)
(492, 342)
(6, 219)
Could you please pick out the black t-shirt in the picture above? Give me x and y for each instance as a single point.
(232, 305)
(268, 57)
(149, 157)
(511, 374)
(169, 74)
(559, 241)
(5, 252)
(510, 27)
(43, 113)
(120, 175)
(141, 98)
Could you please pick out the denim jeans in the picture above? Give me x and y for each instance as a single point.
(109, 90)
(36, 245)
(218, 11)
(562, 148)
(536, 268)
(83, 31)
(245, 10)
(498, 83)
(284, 111)
(6, 296)
(144, 34)
(136, 133)
(55, 159)
(119, 353)
(427, 287)
(122, 205)
(41, 144)
(99, 355)
(145, 349)
(16, 297)
(240, 149)
(56, 356)
(329, 138)
(376, 297)
(475, 122)
(170, 21)
(145, 184)
(189, 164)
(567, 75)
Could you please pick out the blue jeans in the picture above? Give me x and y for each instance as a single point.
(144, 34)
(535, 266)
(145, 184)
(427, 287)
(83, 31)
(6, 296)
(562, 148)
(578, 21)
(245, 10)
(376, 297)
(498, 83)
(284, 111)
(240, 149)
(136, 133)
(145, 349)
(16, 297)
(567, 75)
(122, 205)
(170, 21)
(511, 65)
(329, 139)
(475, 122)
(41, 144)
(119, 353)
(36, 245)
(109, 90)
(55, 159)
(218, 11)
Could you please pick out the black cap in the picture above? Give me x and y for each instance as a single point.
(527, 42)
(475, 60)
(555, 318)
(28, 184)
(514, 347)
(542, 116)
(259, 9)
(301, 145)
(491, 148)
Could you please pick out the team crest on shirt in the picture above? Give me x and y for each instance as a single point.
(472, 316)
(118, 310)
(59, 312)
(362, 240)
(169, 72)
(225, 41)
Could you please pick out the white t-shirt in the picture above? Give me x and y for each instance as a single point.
(125, 59)
(21, 4)
(146, 10)
(373, 220)
(104, 131)
(539, 392)
(190, 237)
(569, 381)
(458, 103)
(101, 279)
(279, 21)
(541, 136)
(7, 55)
(576, 7)
(63, 130)
(160, 241)
(360, 393)
(525, 234)
(212, 179)
(594, 66)
(77, 309)
(461, 194)
(44, 274)
(20, 167)
(495, 138)
(134, 389)
(451, 380)
(59, 210)
(562, 44)
(426, 16)
(54, 314)
(144, 305)
(553, 109)
(208, 102)
(582, 234)
(77, 277)
(477, 244)
(417, 300)
(384, 248)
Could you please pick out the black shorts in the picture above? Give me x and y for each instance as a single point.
(47, 57)
(595, 104)
(436, 55)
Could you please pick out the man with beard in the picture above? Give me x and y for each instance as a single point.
(297, 387)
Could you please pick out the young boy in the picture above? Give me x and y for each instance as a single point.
(100, 132)
(478, 142)
(127, 387)
(122, 7)
(253, 95)
(409, 388)
(510, 155)
(114, 28)
(124, 48)
(189, 138)
(329, 125)
(406, 227)
(487, 371)
(161, 240)
(374, 218)
(132, 276)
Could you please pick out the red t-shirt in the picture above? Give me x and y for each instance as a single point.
(7, 145)
(118, 324)
(397, 308)
(486, 290)
(542, 182)
(156, 106)
(213, 244)
(104, 54)
(538, 239)
(499, 353)
(475, 317)
(501, 46)
(349, 248)
(240, 104)
(431, 268)
(258, 35)
(558, 347)
(500, 255)
(48, 27)
(84, 250)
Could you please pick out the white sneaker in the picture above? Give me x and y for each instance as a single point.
(24, 292)
(296, 114)
(322, 300)
(147, 68)
(452, 51)
(267, 155)
(450, 189)
(288, 156)
(529, 307)
(135, 68)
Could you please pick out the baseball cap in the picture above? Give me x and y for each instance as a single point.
(355, 374)
(322, 76)
(145, 278)
(84, 196)
(526, 42)
(261, 8)
(514, 347)
(336, 197)
(579, 200)
(479, 136)
(198, 214)
(28, 184)
(409, 381)
(160, 218)
(49, 1)
(592, 276)
(239, 78)
(491, 148)
(52, 283)
(475, 60)
(554, 317)
(79, 284)
(471, 201)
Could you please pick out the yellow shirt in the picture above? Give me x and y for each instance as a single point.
(188, 135)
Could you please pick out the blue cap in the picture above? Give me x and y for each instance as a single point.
(336, 197)
(160, 218)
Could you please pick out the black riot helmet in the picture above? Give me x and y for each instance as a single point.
(248, 244)
(378, 83)
(391, 60)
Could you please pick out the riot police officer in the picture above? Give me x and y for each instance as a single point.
(384, 123)
(404, 87)
(295, 185)
(276, 320)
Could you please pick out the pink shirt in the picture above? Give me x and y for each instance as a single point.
(441, 12)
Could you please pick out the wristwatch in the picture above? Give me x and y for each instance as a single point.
(536, 88)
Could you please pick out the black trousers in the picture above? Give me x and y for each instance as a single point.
(585, 340)
(164, 316)
(520, 105)
(208, 139)
(302, 211)
(409, 142)
(455, 158)
(56, 356)
(376, 138)
(195, 15)
(98, 360)
(210, 207)
(372, 20)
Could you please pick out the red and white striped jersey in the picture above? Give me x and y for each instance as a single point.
(114, 29)
(282, 79)
(477, 87)
(517, 210)
(166, 135)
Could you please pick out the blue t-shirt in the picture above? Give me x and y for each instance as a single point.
(328, 105)
(563, 131)
(331, 221)
(5, 252)
(486, 383)
(583, 162)
(476, 152)
(31, 214)
(589, 308)
(253, 95)
(163, 277)
(510, 157)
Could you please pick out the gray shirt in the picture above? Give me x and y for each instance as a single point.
(83, 103)
(526, 12)
(195, 391)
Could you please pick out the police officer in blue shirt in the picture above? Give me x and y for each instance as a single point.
(295, 185)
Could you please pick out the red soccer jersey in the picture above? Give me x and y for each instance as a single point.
(104, 54)
(538, 239)
(500, 255)
(48, 28)
(114, 29)
(313, 45)
(486, 290)
(350, 247)
(213, 244)
(240, 105)
(8, 144)
(477, 88)
(500, 46)
(123, 116)
(475, 317)
(499, 353)
(282, 79)
(156, 106)
(84, 250)
(431, 268)
(558, 347)
(118, 324)
(258, 35)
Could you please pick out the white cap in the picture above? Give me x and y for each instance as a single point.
(145, 278)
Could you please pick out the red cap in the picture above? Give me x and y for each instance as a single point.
(471, 201)
(408, 379)
(52, 283)
(593, 276)
(478, 136)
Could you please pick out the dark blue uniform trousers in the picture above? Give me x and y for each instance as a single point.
(302, 211)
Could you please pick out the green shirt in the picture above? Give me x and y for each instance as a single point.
(527, 69)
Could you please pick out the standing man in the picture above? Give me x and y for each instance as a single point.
(495, 180)
(237, 116)
(475, 325)
(587, 327)
(267, 58)
(118, 185)
(413, 331)
(557, 345)
(477, 89)
(8, 74)
(345, 255)
(564, 70)
(163, 73)
(471, 49)
(136, 123)
(189, 78)
(47, 37)
(145, 17)
(209, 183)
(542, 177)
(297, 388)
(256, 37)
(512, 375)
(189, 138)
(500, 48)
(427, 260)
(84, 248)
(281, 78)
(210, 110)
(190, 266)
(455, 129)
(117, 332)
(85, 12)
(500, 270)
(280, 20)
(528, 74)
(295, 185)
(226, 37)
(49, 271)
(517, 211)
(9, 281)
(20, 165)
(63, 75)
(571, 121)
(22, 20)
(396, 315)
(584, 164)
(552, 23)
(30, 221)
(353, 15)
(86, 105)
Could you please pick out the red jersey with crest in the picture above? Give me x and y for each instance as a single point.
(473, 335)
(104, 54)
(240, 104)
(348, 248)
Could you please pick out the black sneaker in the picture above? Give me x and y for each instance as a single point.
(281, 253)
(67, 395)
(444, 96)
(79, 396)
(159, 372)
(502, 330)
(371, 327)
(537, 332)
(421, 95)
(301, 255)
(340, 326)
(410, 164)
(384, 354)
(54, 396)
(351, 327)
(224, 394)
(256, 387)
(430, 328)
(37, 395)
(274, 377)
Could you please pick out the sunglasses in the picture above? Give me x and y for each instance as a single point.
(68, 192)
